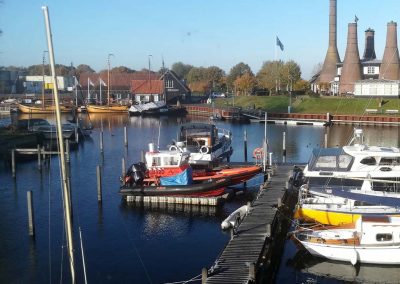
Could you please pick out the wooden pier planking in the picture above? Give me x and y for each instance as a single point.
(251, 238)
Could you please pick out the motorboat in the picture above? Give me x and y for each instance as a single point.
(161, 164)
(207, 144)
(371, 239)
(155, 109)
(49, 131)
(330, 209)
(349, 165)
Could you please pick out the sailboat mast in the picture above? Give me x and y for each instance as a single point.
(67, 209)
(108, 83)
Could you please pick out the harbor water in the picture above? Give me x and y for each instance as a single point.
(128, 243)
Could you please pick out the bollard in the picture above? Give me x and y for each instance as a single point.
(13, 163)
(279, 202)
(125, 137)
(252, 271)
(99, 193)
(245, 145)
(284, 144)
(101, 142)
(31, 223)
(123, 168)
(204, 275)
(39, 158)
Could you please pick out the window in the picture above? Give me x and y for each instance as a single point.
(383, 237)
(344, 161)
(371, 70)
(389, 161)
(369, 161)
(326, 162)
(169, 84)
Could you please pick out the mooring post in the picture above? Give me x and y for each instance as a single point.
(31, 223)
(284, 144)
(13, 163)
(268, 230)
(326, 140)
(67, 158)
(252, 271)
(245, 145)
(279, 202)
(123, 167)
(204, 275)
(142, 156)
(76, 135)
(101, 142)
(98, 174)
(125, 137)
(39, 158)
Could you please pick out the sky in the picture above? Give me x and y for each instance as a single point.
(200, 33)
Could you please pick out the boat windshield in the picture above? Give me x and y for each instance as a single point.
(332, 159)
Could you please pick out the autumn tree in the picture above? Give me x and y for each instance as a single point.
(245, 84)
(237, 71)
(122, 69)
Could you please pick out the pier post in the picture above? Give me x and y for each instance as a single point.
(204, 275)
(13, 163)
(31, 223)
(284, 146)
(270, 159)
(245, 145)
(268, 230)
(76, 135)
(39, 158)
(326, 140)
(67, 157)
(101, 142)
(142, 156)
(279, 202)
(123, 168)
(252, 271)
(125, 137)
(99, 193)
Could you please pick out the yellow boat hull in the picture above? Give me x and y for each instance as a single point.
(106, 109)
(325, 217)
(39, 109)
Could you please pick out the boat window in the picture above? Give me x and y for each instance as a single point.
(344, 161)
(389, 161)
(370, 161)
(326, 162)
(383, 237)
(156, 161)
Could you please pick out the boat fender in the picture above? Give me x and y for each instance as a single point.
(204, 150)
(173, 148)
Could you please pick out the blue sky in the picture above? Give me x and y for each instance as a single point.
(200, 33)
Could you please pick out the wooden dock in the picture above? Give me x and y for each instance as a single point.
(247, 251)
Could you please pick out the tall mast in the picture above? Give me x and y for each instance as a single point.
(67, 208)
(109, 82)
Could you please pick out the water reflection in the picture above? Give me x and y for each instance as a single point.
(315, 267)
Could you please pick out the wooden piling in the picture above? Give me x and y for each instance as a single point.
(13, 163)
(326, 140)
(99, 190)
(125, 137)
(204, 275)
(245, 145)
(252, 271)
(76, 135)
(31, 223)
(123, 168)
(67, 156)
(142, 156)
(284, 144)
(101, 142)
(39, 158)
(279, 202)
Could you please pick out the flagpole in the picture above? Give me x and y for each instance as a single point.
(101, 99)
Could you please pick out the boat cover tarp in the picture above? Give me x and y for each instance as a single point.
(183, 178)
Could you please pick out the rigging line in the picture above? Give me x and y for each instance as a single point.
(196, 278)
(49, 216)
(83, 255)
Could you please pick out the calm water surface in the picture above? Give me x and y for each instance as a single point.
(124, 243)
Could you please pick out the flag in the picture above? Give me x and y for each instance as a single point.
(355, 18)
(76, 83)
(279, 43)
(102, 82)
(90, 82)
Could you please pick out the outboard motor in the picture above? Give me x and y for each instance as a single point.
(135, 174)
(298, 177)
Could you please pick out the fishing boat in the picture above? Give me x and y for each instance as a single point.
(349, 165)
(335, 210)
(161, 164)
(371, 239)
(207, 144)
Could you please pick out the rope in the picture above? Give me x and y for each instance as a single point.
(196, 278)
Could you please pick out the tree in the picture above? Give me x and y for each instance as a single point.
(181, 69)
(122, 69)
(214, 76)
(237, 71)
(83, 68)
(245, 84)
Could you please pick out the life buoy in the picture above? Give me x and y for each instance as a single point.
(204, 149)
(258, 153)
(173, 148)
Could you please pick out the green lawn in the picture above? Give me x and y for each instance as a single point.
(304, 104)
